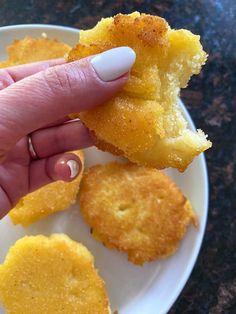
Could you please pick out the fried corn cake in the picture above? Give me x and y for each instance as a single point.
(144, 122)
(54, 197)
(52, 275)
(34, 49)
(137, 210)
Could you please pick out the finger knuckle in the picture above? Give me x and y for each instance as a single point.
(2, 156)
(59, 141)
(68, 77)
(6, 132)
(57, 80)
(5, 79)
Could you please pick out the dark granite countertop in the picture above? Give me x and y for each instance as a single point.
(211, 100)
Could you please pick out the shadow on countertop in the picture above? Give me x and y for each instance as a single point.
(211, 100)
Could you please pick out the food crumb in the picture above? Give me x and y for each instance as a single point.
(44, 35)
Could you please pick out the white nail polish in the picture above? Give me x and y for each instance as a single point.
(74, 168)
(113, 63)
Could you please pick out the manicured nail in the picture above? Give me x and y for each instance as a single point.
(74, 168)
(113, 63)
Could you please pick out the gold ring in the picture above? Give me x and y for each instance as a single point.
(32, 151)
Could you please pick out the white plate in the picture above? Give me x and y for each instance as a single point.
(153, 288)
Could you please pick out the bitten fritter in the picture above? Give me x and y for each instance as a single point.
(54, 197)
(137, 210)
(52, 275)
(34, 49)
(144, 122)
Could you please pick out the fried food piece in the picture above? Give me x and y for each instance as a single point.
(143, 122)
(52, 275)
(34, 49)
(49, 199)
(136, 210)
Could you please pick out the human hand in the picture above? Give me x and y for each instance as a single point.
(36, 99)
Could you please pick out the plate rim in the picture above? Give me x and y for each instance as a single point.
(199, 242)
(193, 258)
(51, 26)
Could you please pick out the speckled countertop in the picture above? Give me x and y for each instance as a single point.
(211, 100)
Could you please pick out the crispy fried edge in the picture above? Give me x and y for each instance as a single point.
(132, 256)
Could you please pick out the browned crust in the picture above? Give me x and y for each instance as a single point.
(149, 29)
(136, 210)
(142, 122)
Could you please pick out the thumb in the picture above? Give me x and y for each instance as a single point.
(56, 92)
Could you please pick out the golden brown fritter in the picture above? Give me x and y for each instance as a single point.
(52, 275)
(135, 209)
(143, 122)
(49, 199)
(34, 49)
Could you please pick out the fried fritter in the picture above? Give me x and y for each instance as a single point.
(137, 210)
(143, 122)
(34, 49)
(49, 199)
(52, 275)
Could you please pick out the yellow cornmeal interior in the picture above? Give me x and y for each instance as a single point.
(52, 275)
(143, 122)
(49, 199)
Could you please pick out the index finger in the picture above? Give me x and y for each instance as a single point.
(13, 74)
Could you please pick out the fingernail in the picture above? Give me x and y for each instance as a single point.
(74, 168)
(113, 63)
